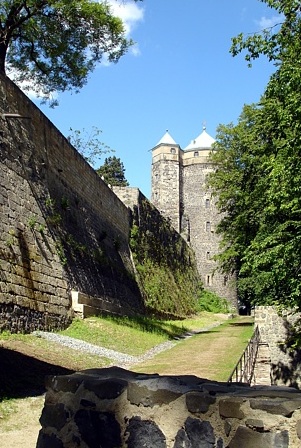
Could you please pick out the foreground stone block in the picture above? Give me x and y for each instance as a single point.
(117, 408)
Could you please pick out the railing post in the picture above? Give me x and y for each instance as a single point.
(244, 369)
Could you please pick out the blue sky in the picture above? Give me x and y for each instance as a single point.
(179, 75)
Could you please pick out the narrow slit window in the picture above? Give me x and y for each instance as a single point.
(208, 226)
(207, 203)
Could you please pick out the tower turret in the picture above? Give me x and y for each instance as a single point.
(166, 178)
(180, 191)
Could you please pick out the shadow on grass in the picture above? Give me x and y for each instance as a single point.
(149, 325)
(242, 324)
(23, 376)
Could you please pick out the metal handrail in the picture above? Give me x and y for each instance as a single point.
(244, 369)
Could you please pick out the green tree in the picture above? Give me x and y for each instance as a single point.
(113, 172)
(259, 167)
(88, 144)
(57, 43)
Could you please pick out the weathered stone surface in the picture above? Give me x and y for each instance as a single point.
(275, 326)
(276, 406)
(108, 389)
(199, 402)
(54, 415)
(87, 403)
(141, 394)
(227, 427)
(49, 192)
(113, 420)
(246, 438)
(196, 434)
(49, 441)
(231, 408)
(144, 433)
(298, 429)
(67, 383)
(254, 423)
(98, 429)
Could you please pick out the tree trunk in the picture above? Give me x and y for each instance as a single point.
(3, 51)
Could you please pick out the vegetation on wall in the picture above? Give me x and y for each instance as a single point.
(165, 264)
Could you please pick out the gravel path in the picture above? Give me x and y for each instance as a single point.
(120, 359)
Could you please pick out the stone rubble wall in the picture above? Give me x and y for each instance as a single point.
(115, 408)
(275, 329)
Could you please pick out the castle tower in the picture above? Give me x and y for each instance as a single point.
(166, 179)
(180, 192)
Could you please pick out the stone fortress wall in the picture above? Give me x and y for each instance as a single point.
(180, 192)
(64, 234)
(61, 227)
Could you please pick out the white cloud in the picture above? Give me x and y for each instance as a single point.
(269, 22)
(128, 11)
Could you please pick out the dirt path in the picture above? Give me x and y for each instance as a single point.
(201, 355)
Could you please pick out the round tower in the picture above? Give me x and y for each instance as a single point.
(200, 211)
(167, 179)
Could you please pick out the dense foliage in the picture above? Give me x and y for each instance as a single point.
(113, 172)
(258, 180)
(56, 43)
(165, 264)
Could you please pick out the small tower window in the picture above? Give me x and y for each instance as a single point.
(207, 255)
(207, 203)
(208, 280)
(196, 153)
(208, 226)
(173, 150)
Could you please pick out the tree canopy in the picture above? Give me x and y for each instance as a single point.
(56, 43)
(113, 172)
(258, 177)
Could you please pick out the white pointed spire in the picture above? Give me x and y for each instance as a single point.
(166, 139)
(203, 141)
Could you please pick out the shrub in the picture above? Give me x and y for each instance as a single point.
(209, 301)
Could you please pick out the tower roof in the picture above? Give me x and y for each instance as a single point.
(203, 141)
(166, 139)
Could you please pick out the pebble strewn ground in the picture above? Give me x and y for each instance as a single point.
(120, 359)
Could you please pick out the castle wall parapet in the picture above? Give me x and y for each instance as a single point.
(116, 408)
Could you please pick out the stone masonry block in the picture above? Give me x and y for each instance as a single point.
(144, 433)
(247, 438)
(276, 406)
(231, 408)
(199, 402)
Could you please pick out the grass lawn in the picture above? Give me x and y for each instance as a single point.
(212, 354)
